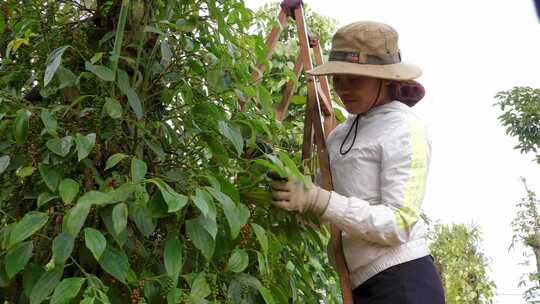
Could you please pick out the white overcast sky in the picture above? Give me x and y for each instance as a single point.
(468, 51)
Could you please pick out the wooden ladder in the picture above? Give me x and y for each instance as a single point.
(318, 102)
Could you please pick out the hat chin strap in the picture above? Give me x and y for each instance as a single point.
(376, 98)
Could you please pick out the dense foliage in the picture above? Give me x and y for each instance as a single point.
(461, 264)
(127, 172)
(521, 117)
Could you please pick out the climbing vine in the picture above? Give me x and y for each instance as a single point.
(127, 171)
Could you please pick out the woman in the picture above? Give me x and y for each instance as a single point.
(379, 160)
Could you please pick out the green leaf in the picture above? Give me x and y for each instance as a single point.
(4, 280)
(156, 148)
(186, 25)
(103, 72)
(233, 135)
(261, 237)
(133, 99)
(228, 188)
(172, 257)
(289, 163)
(95, 197)
(49, 122)
(263, 267)
(119, 217)
(66, 290)
(62, 247)
(53, 62)
(95, 242)
(25, 172)
(201, 239)
(142, 218)
(17, 257)
(113, 160)
(200, 200)
(152, 29)
(214, 183)
(265, 100)
(115, 262)
(76, 217)
(215, 77)
(50, 176)
(174, 200)
(88, 300)
(209, 224)
(339, 115)
(44, 198)
(5, 233)
(249, 280)
(166, 53)
(4, 163)
(66, 77)
(68, 190)
(238, 261)
(31, 275)
(119, 36)
(97, 57)
(45, 285)
(276, 168)
(113, 108)
(106, 37)
(122, 193)
(60, 146)
(28, 225)
(138, 170)
(106, 215)
(230, 209)
(299, 99)
(199, 288)
(266, 294)
(243, 214)
(84, 144)
(20, 127)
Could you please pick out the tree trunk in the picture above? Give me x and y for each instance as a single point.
(537, 254)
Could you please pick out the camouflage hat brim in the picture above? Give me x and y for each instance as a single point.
(396, 71)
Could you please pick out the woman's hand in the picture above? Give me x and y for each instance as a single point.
(293, 195)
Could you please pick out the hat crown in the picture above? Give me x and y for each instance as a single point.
(366, 37)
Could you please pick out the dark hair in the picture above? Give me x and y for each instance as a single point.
(409, 91)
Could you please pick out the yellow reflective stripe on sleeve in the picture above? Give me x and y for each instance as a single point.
(408, 214)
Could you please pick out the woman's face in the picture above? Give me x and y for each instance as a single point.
(358, 93)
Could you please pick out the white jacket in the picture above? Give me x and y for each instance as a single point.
(378, 189)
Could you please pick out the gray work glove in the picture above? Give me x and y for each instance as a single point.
(293, 195)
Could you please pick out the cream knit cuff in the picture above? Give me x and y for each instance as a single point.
(320, 201)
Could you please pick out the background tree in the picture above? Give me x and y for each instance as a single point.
(461, 263)
(127, 172)
(526, 228)
(521, 117)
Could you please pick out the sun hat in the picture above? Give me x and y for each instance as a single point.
(367, 48)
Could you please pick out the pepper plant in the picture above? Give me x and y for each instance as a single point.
(127, 171)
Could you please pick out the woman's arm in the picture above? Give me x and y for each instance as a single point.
(405, 156)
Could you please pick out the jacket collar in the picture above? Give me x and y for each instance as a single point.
(388, 107)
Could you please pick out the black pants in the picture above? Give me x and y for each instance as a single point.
(413, 282)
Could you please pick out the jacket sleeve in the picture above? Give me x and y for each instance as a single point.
(405, 156)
